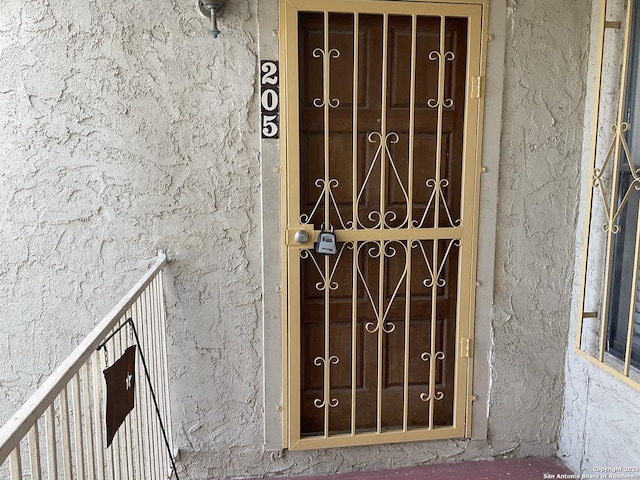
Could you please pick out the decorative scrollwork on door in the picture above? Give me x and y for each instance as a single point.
(326, 364)
(376, 250)
(376, 215)
(437, 190)
(441, 58)
(326, 191)
(326, 67)
(327, 281)
(436, 268)
(435, 394)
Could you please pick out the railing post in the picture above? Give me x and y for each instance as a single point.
(52, 453)
(15, 466)
(34, 452)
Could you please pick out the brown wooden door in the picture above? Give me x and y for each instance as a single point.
(381, 159)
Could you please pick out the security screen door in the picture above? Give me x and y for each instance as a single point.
(381, 120)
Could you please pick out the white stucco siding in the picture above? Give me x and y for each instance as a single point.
(600, 423)
(541, 146)
(124, 128)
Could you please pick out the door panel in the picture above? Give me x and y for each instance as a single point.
(375, 330)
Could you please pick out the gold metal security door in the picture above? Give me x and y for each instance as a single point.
(381, 121)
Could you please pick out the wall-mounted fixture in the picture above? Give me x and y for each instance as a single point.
(212, 9)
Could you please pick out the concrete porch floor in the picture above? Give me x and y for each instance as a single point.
(520, 469)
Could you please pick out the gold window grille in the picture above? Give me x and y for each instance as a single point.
(608, 330)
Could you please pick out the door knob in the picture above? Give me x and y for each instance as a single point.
(301, 236)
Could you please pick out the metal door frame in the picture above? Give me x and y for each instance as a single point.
(478, 21)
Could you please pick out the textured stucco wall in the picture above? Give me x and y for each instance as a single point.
(539, 185)
(601, 417)
(124, 129)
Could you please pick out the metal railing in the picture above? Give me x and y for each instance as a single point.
(58, 432)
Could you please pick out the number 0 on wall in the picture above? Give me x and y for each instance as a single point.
(269, 99)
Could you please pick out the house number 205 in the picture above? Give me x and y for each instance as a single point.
(269, 99)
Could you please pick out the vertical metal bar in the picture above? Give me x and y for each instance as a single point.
(139, 471)
(592, 162)
(149, 437)
(327, 351)
(142, 414)
(112, 460)
(163, 458)
(52, 454)
(441, 79)
(354, 192)
(88, 420)
(149, 345)
(615, 183)
(326, 88)
(128, 443)
(465, 310)
(97, 416)
(147, 418)
(327, 348)
(381, 281)
(634, 299)
(152, 423)
(407, 336)
(160, 451)
(287, 197)
(77, 425)
(383, 181)
(165, 359)
(407, 315)
(354, 335)
(34, 452)
(356, 94)
(157, 353)
(433, 332)
(65, 433)
(154, 375)
(383, 120)
(412, 117)
(327, 218)
(15, 464)
(293, 344)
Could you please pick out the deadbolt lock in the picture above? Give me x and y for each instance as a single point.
(301, 236)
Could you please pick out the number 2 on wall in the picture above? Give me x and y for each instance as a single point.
(269, 99)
